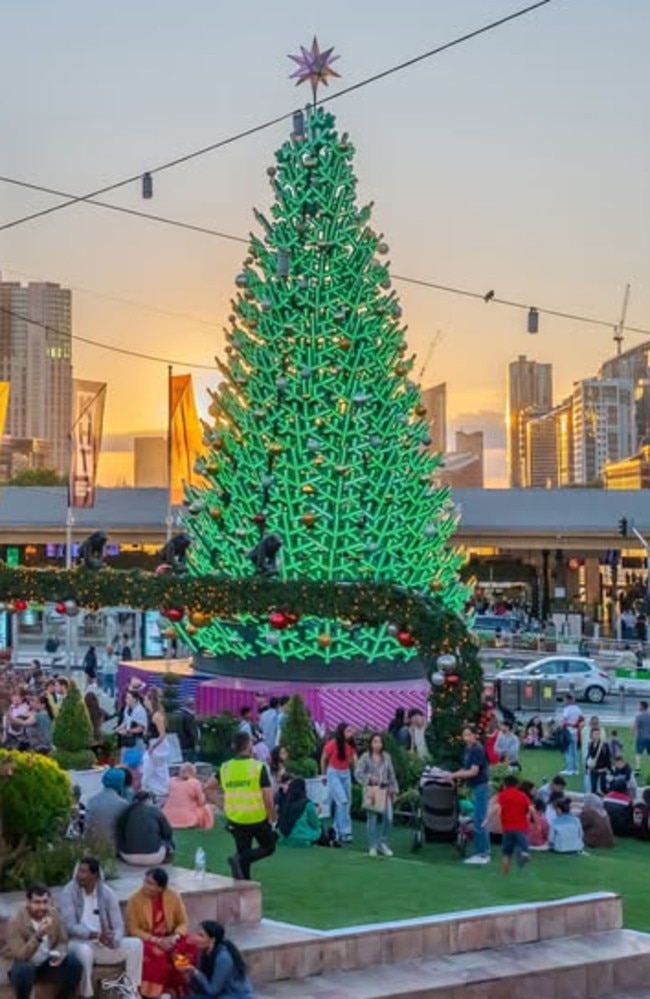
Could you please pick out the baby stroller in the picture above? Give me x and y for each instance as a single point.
(438, 818)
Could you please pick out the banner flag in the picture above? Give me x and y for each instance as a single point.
(88, 403)
(185, 438)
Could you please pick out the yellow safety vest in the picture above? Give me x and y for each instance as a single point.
(243, 800)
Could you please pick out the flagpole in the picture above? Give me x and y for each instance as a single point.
(169, 520)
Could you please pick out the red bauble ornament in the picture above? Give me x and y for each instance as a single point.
(405, 638)
(291, 617)
(278, 620)
(20, 605)
(452, 679)
(259, 519)
(59, 607)
(174, 614)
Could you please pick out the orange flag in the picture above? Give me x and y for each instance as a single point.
(185, 437)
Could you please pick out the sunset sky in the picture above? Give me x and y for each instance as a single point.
(517, 162)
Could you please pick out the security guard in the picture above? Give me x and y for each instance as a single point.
(248, 805)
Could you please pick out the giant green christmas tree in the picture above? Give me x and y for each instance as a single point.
(319, 439)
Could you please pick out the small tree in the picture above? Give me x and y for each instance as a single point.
(170, 698)
(73, 733)
(299, 739)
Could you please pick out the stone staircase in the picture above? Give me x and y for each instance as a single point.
(573, 948)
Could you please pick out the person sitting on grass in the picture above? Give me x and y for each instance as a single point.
(539, 829)
(622, 773)
(596, 827)
(506, 745)
(298, 822)
(515, 810)
(565, 834)
(618, 805)
(641, 816)
(557, 783)
(534, 733)
(186, 807)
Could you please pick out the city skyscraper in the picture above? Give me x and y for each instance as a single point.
(604, 427)
(36, 358)
(530, 386)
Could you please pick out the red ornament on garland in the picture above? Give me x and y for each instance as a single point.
(452, 679)
(174, 614)
(278, 620)
(20, 605)
(291, 617)
(59, 607)
(259, 519)
(405, 638)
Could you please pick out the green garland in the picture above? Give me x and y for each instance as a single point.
(433, 627)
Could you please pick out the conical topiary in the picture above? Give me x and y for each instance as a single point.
(73, 733)
(298, 738)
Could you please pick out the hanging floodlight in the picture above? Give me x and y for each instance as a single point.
(147, 186)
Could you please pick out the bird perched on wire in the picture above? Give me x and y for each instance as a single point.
(264, 555)
(489, 295)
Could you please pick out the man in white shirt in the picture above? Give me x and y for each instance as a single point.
(93, 920)
(572, 719)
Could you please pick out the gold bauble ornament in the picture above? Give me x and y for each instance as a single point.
(420, 410)
(435, 585)
(324, 640)
(216, 513)
(308, 489)
(191, 630)
(275, 448)
(309, 519)
(401, 368)
(198, 619)
(319, 459)
(344, 343)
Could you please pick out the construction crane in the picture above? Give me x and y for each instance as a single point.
(429, 354)
(620, 326)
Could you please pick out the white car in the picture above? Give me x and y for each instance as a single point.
(572, 674)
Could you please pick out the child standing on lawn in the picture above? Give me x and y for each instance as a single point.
(515, 811)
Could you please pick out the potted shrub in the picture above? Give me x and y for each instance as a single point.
(73, 733)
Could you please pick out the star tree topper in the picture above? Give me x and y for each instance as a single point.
(314, 65)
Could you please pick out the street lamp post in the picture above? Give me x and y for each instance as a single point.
(69, 524)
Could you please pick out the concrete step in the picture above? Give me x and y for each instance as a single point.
(588, 966)
(277, 951)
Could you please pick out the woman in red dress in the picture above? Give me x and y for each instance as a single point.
(156, 915)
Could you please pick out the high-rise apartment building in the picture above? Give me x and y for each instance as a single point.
(541, 452)
(35, 357)
(530, 387)
(435, 400)
(604, 428)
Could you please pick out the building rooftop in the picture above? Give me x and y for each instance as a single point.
(38, 514)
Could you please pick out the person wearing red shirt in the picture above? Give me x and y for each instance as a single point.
(515, 810)
(337, 761)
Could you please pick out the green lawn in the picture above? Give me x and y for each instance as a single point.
(327, 889)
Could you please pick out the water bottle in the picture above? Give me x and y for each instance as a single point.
(199, 864)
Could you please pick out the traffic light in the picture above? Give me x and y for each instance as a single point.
(622, 527)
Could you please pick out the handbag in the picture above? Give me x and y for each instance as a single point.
(375, 799)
